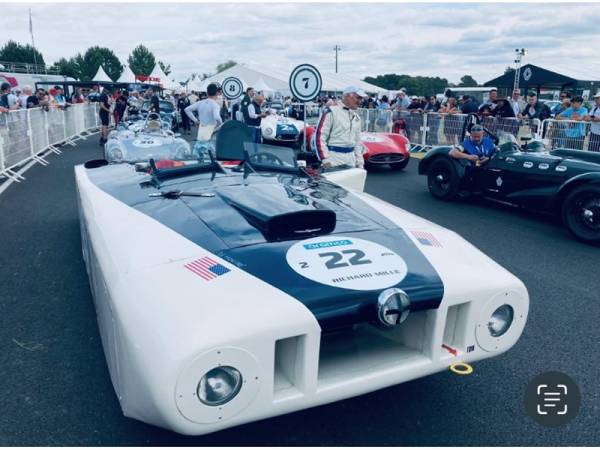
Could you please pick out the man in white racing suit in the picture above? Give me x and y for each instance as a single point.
(337, 137)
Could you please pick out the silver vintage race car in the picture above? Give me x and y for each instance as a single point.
(144, 139)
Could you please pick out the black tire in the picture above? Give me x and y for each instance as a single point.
(446, 187)
(581, 213)
(400, 165)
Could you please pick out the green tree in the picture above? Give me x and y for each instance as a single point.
(94, 57)
(467, 81)
(508, 69)
(14, 52)
(141, 61)
(69, 67)
(414, 85)
(166, 68)
(224, 66)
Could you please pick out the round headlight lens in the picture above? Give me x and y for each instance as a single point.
(219, 385)
(501, 320)
(268, 131)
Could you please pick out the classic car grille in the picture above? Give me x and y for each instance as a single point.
(386, 158)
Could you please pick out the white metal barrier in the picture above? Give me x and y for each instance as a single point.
(571, 134)
(425, 130)
(26, 134)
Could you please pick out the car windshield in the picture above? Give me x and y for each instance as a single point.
(165, 106)
(271, 157)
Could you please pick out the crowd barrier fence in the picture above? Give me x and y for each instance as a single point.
(27, 134)
(571, 134)
(426, 130)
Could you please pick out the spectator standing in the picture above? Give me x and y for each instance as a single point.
(59, 97)
(33, 100)
(7, 99)
(208, 111)
(384, 103)
(255, 116)
(24, 96)
(491, 101)
(594, 117)
(535, 109)
(78, 96)
(565, 103)
(104, 114)
(402, 101)
(414, 105)
(246, 100)
(182, 103)
(574, 133)
(516, 103)
(469, 106)
(121, 106)
(154, 101)
(452, 123)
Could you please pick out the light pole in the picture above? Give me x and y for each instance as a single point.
(336, 48)
(520, 52)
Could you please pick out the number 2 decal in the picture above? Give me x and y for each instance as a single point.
(358, 257)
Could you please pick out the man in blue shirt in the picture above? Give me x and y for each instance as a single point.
(573, 134)
(475, 148)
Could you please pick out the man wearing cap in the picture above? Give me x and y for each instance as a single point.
(475, 148)
(594, 117)
(534, 109)
(337, 137)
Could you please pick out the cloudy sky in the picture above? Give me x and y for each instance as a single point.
(447, 40)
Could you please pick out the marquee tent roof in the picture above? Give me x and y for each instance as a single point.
(127, 76)
(277, 79)
(101, 76)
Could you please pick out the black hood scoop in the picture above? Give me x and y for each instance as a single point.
(281, 213)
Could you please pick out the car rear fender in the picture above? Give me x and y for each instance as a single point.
(440, 152)
(570, 184)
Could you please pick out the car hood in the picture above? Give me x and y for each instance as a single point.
(337, 274)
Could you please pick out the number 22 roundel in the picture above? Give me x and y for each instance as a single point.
(347, 262)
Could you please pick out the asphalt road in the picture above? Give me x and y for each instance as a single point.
(54, 383)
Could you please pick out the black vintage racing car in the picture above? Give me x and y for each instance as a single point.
(565, 183)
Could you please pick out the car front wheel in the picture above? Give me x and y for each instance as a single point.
(442, 179)
(581, 213)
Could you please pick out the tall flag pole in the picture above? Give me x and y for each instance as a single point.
(32, 41)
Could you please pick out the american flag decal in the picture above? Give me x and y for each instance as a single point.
(426, 238)
(207, 268)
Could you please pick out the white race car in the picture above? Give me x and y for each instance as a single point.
(144, 139)
(276, 128)
(226, 296)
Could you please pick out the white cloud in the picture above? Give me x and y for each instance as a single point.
(447, 40)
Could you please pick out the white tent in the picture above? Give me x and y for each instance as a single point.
(127, 76)
(261, 86)
(101, 75)
(157, 72)
(277, 80)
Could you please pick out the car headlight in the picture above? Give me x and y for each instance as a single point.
(501, 320)
(269, 131)
(219, 385)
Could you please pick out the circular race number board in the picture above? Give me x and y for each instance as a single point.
(232, 88)
(347, 262)
(305, 82)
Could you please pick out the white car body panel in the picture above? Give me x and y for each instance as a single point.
(162, 326)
